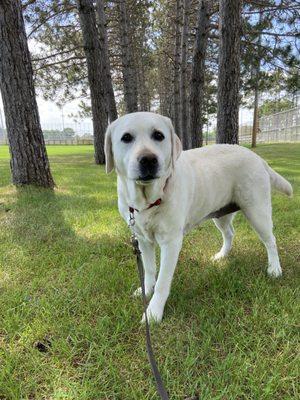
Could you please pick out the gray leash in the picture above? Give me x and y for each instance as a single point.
(161, 390)
(158, 379)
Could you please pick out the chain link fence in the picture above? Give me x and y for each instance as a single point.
(283, 126)
(70, 133)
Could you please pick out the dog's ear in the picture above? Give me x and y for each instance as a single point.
(177, 147)
(175, 142)
(109, 157)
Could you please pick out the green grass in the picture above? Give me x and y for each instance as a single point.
(66, 278)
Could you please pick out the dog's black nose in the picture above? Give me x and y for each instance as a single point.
(148, 166)
(148, 161)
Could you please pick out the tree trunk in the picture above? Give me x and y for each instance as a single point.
(95, 67)
(143, 94)
(144, 103)
(29, 162)
(198, 75)
(229, 71)
(255, 126)
(110, 96)
(183, 78)
(176, 84)
(128, 70)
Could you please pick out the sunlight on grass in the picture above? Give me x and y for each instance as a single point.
(69, 327)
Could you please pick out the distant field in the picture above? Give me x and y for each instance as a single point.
(70, 329)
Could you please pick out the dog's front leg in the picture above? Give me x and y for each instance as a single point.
(169, 257)
(148, 255)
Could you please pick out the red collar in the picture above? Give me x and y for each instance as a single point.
(156, 203)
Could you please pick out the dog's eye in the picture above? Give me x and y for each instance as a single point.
(156, 135)
(127, 138)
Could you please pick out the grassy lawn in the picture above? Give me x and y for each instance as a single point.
(69, 328)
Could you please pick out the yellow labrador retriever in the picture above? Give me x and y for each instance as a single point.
(170, 191)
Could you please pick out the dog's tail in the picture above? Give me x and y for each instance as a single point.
(278, 182)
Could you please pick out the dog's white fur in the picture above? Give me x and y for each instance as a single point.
(191, 184)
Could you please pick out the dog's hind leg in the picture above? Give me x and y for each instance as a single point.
(260, 217)
(148, 256)
(224, 224)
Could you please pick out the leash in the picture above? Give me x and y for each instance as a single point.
(161, 390)
(158, 379)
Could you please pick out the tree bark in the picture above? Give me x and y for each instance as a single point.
(198, 75)
(183, 78)
(255, 126)
(229, 71)
(176, 85)
(92, 49)
(128, 70)
(110, 96)
(29, 162)
(144, 102)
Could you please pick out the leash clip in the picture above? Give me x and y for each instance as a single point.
(135, 245)
(134, 241)
(131, 222)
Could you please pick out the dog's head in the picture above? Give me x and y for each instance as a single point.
(141, 146)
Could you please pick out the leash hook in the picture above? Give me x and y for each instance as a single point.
(131, 222)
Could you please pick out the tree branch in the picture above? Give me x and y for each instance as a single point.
(296, 34)
(270, 53)
(56, 54)
(48, 18)
(59, 62)
(214, 26)
(270, 9)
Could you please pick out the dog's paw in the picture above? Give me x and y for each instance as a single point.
(218, 256)
(274, 271)
(154, 315)
(138, 293)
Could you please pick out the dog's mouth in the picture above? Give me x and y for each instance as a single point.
(146, 180)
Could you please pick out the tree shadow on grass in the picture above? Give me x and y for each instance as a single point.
(5, 176)
(66, 291)
(240, 279)
(41, 221)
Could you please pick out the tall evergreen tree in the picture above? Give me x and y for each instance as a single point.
(184, 128)
(198, 75)
(29, 161)
(96, 76)
(177, 53)
(128, 70)
(229, 71)
(110, 96)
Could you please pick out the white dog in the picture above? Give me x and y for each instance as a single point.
(170, 191)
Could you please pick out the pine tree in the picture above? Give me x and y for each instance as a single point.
(29, 161)
(229, 71)
(96, 75)
(198, 75)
